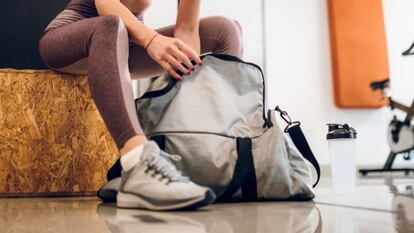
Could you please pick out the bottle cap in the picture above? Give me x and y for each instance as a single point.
(341, 131)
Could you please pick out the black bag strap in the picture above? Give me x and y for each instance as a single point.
(299, 139)
(244, 175)
(249, 186)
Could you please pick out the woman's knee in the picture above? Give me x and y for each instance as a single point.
(110, 25)
(110, 36)
(229, 34)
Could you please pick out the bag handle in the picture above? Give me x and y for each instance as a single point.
(244, 176)
(299, 139)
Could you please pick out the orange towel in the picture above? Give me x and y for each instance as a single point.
(359, 51)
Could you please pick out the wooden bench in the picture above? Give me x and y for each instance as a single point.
(53, 141)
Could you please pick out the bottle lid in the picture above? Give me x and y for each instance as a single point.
(341, 131)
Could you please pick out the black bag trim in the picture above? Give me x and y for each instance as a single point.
(114, 171)
(160, 140)
(244, 175)
(172, 82)
(165, 90)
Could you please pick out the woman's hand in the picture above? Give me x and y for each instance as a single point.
(172, 54)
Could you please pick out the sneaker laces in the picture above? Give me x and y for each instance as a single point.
(170, 157)
(164, 167)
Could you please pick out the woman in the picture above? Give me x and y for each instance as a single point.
(108, 41)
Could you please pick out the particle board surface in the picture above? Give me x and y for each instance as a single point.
(359, 51)
(53, 141)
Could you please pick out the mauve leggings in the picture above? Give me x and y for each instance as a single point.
(100, 48)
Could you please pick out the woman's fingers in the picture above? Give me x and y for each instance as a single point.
(167, 67)
(173, 61)
(173, 55)
(183, 58)
(189, 52)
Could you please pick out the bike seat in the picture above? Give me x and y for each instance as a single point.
(380, 84)
(409, 51)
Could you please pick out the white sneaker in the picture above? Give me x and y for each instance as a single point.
(155, 183)
(109, 190)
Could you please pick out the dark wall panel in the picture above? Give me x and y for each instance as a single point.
(21, 24)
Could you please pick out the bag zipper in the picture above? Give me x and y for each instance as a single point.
(195, 132)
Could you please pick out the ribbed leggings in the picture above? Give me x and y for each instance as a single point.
(100, 48)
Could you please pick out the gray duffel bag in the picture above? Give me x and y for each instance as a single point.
(217, 121)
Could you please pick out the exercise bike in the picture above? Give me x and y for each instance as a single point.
(400, 133)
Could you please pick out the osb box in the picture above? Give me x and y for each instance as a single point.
(53, 141)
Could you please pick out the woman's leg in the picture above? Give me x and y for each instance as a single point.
(217, 34)
(149, 180)
(99, 46)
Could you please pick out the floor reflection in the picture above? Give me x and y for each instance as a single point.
(240, 218)
(403, 204)
(20, 215)
(387, 206)
(379, 205)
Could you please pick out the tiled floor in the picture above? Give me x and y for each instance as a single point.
(381, 204)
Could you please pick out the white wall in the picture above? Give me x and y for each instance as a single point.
(299, 73)
(247, 13)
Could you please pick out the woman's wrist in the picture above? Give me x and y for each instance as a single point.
(143, 39)
(150, 41)
(180, 32)
(191, 39)
(148, 37)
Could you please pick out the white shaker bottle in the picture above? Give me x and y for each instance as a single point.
(342, 150)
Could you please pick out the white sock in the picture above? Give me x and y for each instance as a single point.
(131, 158)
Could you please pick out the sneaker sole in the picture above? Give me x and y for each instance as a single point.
(109, 191)
(126, 200)
(107, 196)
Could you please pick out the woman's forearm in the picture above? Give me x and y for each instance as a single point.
(188, 16)
(139, 33)
(187, 24)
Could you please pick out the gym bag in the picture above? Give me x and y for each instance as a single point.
(217, 121)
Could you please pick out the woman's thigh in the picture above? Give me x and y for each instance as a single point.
(66, 48)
